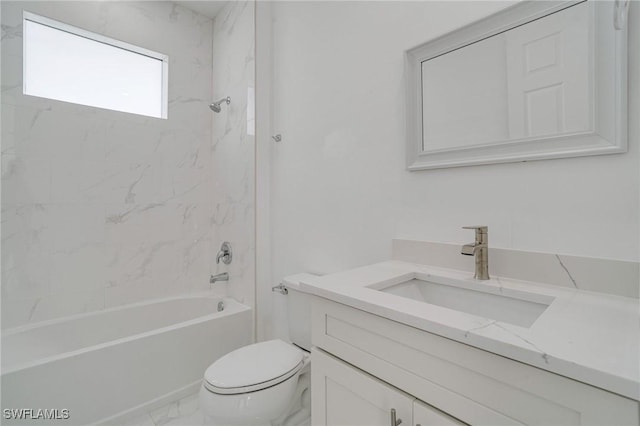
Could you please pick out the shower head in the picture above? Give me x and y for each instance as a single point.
(215, 107)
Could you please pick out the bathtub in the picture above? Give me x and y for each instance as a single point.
(109, 364)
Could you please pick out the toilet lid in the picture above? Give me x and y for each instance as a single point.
(253, 367)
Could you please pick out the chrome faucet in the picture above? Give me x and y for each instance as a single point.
(225, 254)
(479, 249)
(219, 277)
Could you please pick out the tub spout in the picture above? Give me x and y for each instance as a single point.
(219, 277)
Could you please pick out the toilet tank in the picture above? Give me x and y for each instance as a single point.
(299, 310)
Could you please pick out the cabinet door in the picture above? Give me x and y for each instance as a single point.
(346, 396)
(425, 415)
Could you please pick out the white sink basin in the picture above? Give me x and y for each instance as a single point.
(510, 306)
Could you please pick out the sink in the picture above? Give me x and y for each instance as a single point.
(509, 306)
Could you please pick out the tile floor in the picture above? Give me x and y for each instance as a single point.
(184, 412)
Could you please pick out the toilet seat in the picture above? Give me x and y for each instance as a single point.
(253, 368)
(255, 387)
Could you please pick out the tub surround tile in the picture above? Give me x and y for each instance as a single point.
(233, 150)
(132, 264)
(100, 207)
(12, 37)
(26, 256)
(25, 276)
(112, 208)
(22, 311)
(196, 255)
(19, 312)
(78, 269)
(11, 71)
(616, 277)
(135, 224)
(25, 180)
(37, 132)
(55, 306)
(73, 226)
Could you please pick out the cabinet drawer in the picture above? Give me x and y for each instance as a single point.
(473, 385)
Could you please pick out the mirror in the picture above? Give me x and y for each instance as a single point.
(538, 80)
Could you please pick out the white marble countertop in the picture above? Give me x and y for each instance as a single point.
(586, 336)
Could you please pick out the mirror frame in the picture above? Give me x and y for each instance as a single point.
(609, 134)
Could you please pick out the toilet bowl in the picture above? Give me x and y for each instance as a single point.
(265, 383)
(253, 385)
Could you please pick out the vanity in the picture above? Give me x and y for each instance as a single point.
(418, 341)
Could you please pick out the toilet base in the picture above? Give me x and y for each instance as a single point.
(299, 412)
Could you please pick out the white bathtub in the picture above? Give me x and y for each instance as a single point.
(104, 365)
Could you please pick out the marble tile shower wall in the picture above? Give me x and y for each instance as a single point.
(101, 208)
(234, 144)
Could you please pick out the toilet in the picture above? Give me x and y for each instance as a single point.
(266, 383)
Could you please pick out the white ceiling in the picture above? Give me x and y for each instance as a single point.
(208, 8)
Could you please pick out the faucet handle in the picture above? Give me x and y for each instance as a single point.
(483, 229)
(482, 232)
(225, 253)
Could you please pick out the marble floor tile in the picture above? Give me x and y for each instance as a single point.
(143, 420)
(184, 412)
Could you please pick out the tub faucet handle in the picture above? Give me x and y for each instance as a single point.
(225, 253)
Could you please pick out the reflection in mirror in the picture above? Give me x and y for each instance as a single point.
(535, 81)
(532, 80)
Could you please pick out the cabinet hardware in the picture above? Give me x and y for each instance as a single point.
(394, 422)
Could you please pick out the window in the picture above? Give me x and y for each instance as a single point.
(73, 65)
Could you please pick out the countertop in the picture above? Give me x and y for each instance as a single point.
(587, 336)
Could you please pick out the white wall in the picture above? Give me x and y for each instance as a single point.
(339, 189)
(101, 208)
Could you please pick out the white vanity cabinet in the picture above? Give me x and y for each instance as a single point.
(349, 396)
(364, 365)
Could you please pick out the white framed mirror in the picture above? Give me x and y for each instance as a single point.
(538, 80)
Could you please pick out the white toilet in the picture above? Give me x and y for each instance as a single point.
(265, 383)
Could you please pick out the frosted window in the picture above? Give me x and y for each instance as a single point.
(72, 65)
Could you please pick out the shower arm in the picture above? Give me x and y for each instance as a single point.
(215, 107)
(227, 100)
